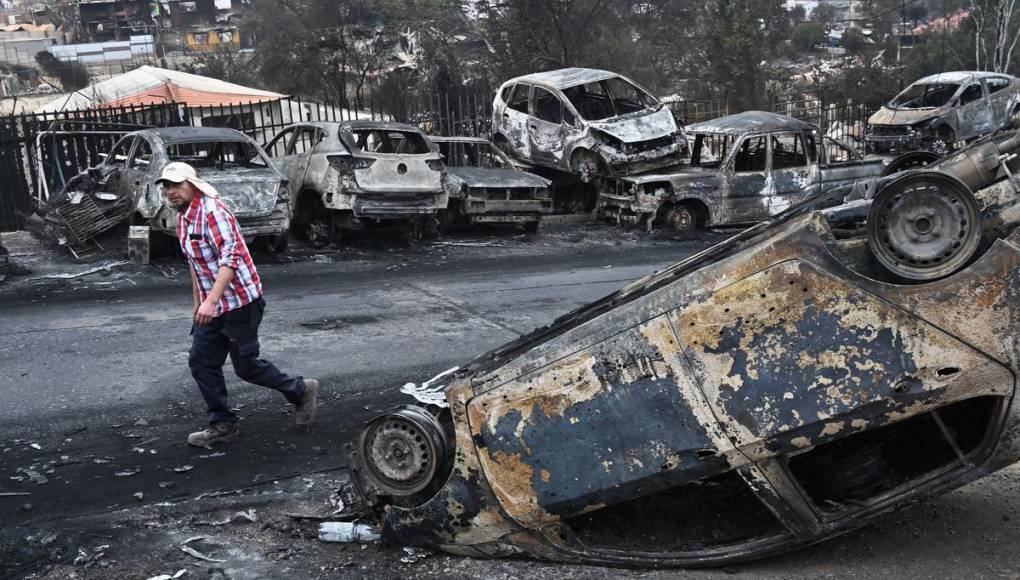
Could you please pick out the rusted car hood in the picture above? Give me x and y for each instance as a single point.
(887, 116)
(640, 127)
(486, 177)
(247, 192)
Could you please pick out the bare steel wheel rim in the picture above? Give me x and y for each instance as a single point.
(403, 450)
(924, 226)
(681, 219)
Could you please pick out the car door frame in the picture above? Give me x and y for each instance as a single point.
(974, 118)
(739, 205)
(1000, 100)
(784, 193)
(538, 128)
(119, 186)
(141, 183)
(515, 125)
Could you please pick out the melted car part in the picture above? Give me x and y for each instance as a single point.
(403, 450)
(924, 226)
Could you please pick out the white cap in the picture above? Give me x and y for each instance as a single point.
(178, 172)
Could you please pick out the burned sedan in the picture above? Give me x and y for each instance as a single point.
(743, 168)
(789, 384)
(248, 183)
(937, 112)
(346, 174)
(586, 122)
(485, 187)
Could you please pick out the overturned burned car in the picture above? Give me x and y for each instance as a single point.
(743, 168)
(485, 187)
(586, 122)
(787, 385)
(937, 112)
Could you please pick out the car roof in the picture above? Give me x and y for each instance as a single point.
(751, 122)
(565, 77)
(957, 77)
(356, 124)
(186, 134)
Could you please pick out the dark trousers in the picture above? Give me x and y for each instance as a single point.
(235, 333)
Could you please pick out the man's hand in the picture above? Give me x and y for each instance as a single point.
(205, 313)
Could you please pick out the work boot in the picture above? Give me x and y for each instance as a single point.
(306, 406)
(218, 432)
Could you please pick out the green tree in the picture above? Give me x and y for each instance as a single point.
(806, 34)
(741, 39)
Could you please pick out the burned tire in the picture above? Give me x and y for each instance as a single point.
(403, 450)
(681, 219)
(279, 243)
(910, 160)
(585, 165)
(316, 223)
(924, 226)
(532, 227)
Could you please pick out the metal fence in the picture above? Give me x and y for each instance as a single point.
(844, 122)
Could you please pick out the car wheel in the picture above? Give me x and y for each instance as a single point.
(681, 219)
(317, 224)
(532, 227)
(279, 242)
(586, 166)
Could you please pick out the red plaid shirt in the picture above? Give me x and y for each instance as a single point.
(210, 238)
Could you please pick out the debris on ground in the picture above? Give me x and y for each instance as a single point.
(77, 216)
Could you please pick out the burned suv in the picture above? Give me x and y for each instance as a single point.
(743, 169)
(586, 122)
(794, 382)
(345, 174)
(485, 187)
(939, 111)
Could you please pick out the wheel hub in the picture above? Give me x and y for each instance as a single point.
(924, 226)
(403, 450)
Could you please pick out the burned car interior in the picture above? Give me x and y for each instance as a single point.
(608, 98)
(390, 142)
(217, 154)
(786, 385)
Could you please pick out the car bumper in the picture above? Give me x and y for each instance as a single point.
(274, 223)
(492, 210)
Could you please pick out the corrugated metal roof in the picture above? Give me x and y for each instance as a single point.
(149, 84)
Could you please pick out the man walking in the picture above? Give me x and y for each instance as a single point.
(227, 306)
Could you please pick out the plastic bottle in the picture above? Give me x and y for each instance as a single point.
(347, 532)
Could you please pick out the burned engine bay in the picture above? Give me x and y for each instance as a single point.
(789, 384)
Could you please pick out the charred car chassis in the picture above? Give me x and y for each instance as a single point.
(782, 387)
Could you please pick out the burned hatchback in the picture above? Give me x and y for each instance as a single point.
(232, 162)
(351, 173)
(485, 187)
(938, 112)
(586, 122)
(789, 384)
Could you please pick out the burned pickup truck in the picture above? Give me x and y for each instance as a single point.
(485, 187)
(248, 183)
(743, 168)
(586, 122)
(792, 383)
(346, 174)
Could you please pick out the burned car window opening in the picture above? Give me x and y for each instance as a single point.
(996, 84)
(120, 152)
(613, 97)
(924, 96)
(519, 100)
(710, 149)
(970, 94)
(390, 142)
(788, 151)
(752, 155)
(217, 154)
(548, 107)
(142, 156)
